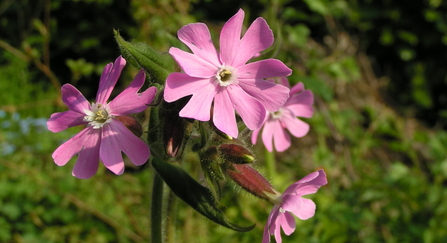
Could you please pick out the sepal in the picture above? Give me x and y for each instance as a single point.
(235, 153)
(251, 180)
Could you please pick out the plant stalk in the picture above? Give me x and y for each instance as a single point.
(270, 163)
(156, 209)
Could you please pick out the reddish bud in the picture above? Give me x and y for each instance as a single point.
(251, 180)
(235, 153)
(131, 123)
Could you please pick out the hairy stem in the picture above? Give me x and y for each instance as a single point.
(171, 216)
(156, 208)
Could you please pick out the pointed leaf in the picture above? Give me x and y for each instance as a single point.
(195, 195)
(141, 55)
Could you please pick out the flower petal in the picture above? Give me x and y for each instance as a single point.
(270, 127)
(281, 139)
(249, 109)
(266, 234)
(135, 148)
(179, 85)
(299, 87)
(273, 225)
(62, 120)
(199, 106)
(74, 99)
(197, 37)
(303, 208)
(267, 68)
(295, 126)
(283, 81)
(288, 223)
(87, 163)
(71, 147)
(116, 138)
(308, 185)
(270, 224)
(193, 65)
(304, 98)
(230, 36)
(272, 96)
(258, 37)
(130, 101)
(316, 178)
(276, 230)
(300, 110)
(223, 113)
(108, 79)
(254, 135)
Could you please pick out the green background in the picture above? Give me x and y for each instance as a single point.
(377, 69)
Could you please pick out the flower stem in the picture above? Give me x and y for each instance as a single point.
(270, 163)
(171, 217)
(156, 208)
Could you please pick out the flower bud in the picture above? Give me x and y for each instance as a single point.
(176, 129)
(236, 154)
(132, 124)
(251, 180)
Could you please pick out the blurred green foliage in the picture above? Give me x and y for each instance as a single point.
(375, 67)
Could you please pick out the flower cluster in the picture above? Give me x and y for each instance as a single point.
(213, 89)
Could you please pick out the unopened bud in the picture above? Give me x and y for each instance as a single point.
(176, 129)
(132, 124)
(251, 180)
(236, 154)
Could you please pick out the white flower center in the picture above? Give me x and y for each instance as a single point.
(98, 116)
(226, 75)
(277, 114)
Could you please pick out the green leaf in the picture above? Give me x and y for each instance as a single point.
(318, 87)
(195, 195)
(157, 65)
(317, 6)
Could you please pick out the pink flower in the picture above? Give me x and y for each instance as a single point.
(274, 128)
(293, 202)
(105, 137)
(224, 79)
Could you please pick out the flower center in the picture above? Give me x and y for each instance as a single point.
(226, 76)
(277, 114)
(98, 116)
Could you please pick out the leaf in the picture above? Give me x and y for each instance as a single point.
(318, 87)
(141, 55)
(195, 195)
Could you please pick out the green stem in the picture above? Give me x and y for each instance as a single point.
(156, 208)
(270, 163)
(171, 216)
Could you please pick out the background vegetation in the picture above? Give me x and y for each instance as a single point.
(377, 69)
